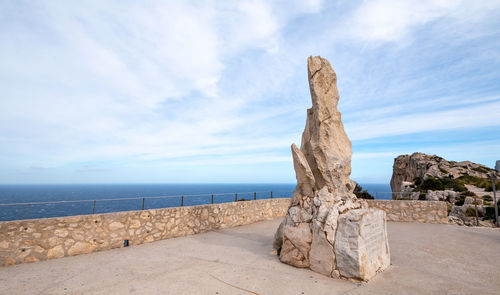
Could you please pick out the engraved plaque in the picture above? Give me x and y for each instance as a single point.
(361, 246)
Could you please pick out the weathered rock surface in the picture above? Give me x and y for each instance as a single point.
(432, 178)
(408, 192)
(455, 220)
(408, 168)
(296, 245)
(361, 246)
(321, 256)
(324, 192)
(446, 195)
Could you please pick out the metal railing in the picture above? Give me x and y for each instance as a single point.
(32, 210)
(142, 203)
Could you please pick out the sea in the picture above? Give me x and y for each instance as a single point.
(43, 201)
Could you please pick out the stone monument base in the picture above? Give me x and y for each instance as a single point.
(361, 245)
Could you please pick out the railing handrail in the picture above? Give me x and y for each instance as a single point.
(152, 197)
(180, 196)
(135, 198)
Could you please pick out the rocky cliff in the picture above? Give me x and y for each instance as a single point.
(429, 177)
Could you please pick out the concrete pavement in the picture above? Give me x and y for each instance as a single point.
(426, 259)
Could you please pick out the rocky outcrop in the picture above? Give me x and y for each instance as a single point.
(429, 177)
(324, 192)
(446, 195)
(407, 191)
(409, 168)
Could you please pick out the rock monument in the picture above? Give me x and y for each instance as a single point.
(326, 227)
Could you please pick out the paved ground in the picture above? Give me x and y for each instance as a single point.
(426, 259)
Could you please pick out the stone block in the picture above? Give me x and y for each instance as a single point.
(56, 252)
(296, 245)
(361, 244)
(321, 257)
(81, 248)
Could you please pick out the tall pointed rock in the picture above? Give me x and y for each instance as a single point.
(324, 141)
(324, 194)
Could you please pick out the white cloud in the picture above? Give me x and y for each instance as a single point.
(387, 20)
(118, 80)
(467, 117)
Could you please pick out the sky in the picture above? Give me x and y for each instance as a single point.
(217, 91)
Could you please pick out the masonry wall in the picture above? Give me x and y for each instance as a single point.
(412, 211)
(41, 239)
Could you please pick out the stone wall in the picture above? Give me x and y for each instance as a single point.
(412, 211)
(41, 239)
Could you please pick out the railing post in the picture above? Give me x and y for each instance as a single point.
(493, 180)
(376, 195)
(93, 209)
(236, 197)
(271, 195)
(27, 211)
(212, 201)
(255, 196)
(182, 201)
(475, 205)
(143, 200)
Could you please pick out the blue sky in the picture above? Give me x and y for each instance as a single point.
(216, 91)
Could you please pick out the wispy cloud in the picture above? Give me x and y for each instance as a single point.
(482, 115)
(385, 20)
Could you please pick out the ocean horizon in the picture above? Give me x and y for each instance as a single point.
(78, 199)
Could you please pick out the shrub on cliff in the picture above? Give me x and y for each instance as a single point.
(468, 193)
(444, 171)
(490, 212)
(433, 184)
(479, 182)
(487, 198)
(471, 212)
(440, 184)
(482, 169)
(489, 186)
(460, 201)
(362, 194)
